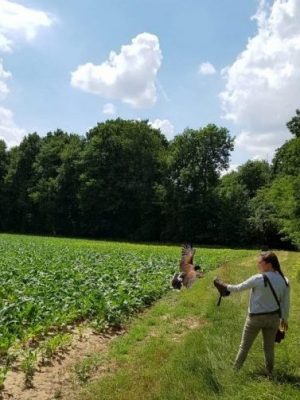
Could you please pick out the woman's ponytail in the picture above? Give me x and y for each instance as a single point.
(270, 258)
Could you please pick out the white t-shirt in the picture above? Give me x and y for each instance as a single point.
(262, 299)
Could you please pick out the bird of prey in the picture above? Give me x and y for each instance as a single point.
(189, 272)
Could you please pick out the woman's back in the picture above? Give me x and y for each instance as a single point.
(262, 299)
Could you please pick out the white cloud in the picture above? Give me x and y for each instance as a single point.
(3, 76)
(207, 68)
(260, 145)
(129, 76)
(5, 43)
(165, 126)
(109, 109)
(9, 131)
(18, 21)
(263, 84)
(232, 168)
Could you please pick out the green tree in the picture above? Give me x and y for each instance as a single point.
(19, 178)
(264, 225)
(233, 211)
(67, 187)
(55, 184)
(122, 168)
(284, 195)
(294, 124)
(287, 157)
(253, 175)
(3, 169)
(195, 161)
(276, 212)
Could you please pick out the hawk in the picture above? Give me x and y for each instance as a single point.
(188, 271)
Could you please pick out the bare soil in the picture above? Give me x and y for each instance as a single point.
(58, 379)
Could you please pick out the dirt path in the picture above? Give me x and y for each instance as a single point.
(58, 380)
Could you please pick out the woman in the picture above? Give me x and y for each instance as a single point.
(264, 312)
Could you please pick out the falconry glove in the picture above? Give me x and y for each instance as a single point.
(222, 289)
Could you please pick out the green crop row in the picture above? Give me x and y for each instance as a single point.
(49, 282)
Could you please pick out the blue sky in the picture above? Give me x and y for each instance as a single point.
(189, 33)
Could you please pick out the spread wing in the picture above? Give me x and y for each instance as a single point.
(187, 255)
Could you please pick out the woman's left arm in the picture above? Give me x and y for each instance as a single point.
(247, 284)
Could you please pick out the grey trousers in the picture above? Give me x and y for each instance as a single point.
(268, 324)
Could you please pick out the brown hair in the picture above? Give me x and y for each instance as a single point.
(270, 257)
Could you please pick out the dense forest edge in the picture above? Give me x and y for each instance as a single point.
(123, 180)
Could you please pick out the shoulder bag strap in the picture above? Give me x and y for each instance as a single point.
(267, 281)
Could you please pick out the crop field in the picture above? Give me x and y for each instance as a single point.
(49, 283)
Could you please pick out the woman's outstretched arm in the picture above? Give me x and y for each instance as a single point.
(247, 284)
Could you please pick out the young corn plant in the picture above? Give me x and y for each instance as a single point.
(3, 372)
(85, 368)
(52, 346)
(28, 366)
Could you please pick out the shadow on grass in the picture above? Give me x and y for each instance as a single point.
(280, 378)
(288, 378)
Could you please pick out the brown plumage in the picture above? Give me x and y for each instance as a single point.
(187, 258)
(188, 271)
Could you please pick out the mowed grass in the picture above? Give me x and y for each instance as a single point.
(183, 347)
(49, 283)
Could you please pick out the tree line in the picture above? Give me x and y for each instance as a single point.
(124, 180)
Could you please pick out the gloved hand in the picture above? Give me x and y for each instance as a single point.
(222, 287)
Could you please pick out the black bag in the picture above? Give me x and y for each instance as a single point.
(280, 335)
